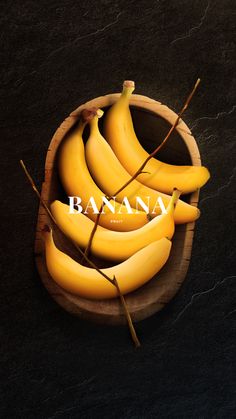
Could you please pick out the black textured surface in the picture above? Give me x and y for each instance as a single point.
(55, 56)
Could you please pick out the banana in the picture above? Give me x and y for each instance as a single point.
(77, 181)
(120, 134)
(110, 176)
(89, 283)
(114, 245)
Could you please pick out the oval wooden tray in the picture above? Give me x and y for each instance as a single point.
(152, 121)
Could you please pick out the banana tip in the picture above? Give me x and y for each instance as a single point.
(198, 213)
(208, 175)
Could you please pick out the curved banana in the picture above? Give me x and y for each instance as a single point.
(114, 245)
(110, 176)
(89, 283)
(120, 134)
(77, 181)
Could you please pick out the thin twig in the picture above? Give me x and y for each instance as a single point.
(36, 190)
(140, 170)
(113, 281)
(130, 323)
(88, 247)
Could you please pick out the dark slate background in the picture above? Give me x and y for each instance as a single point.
(54, 56)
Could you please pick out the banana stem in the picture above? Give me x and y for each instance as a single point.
(81, 127)
(94, 126)
(128, 88)
(113, 281)
(173, 201)
(93, 120)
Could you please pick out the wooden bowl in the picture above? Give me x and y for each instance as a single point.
(152, 121)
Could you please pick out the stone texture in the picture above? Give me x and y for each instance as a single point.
(54, 56)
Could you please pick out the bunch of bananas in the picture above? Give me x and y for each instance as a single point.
(140, 242)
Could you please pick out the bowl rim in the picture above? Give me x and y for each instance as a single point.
(69, 301)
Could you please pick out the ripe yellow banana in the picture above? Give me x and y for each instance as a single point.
(77, 181)
(120, 134)
(114, 245)
(88, 283)
(110, 176)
